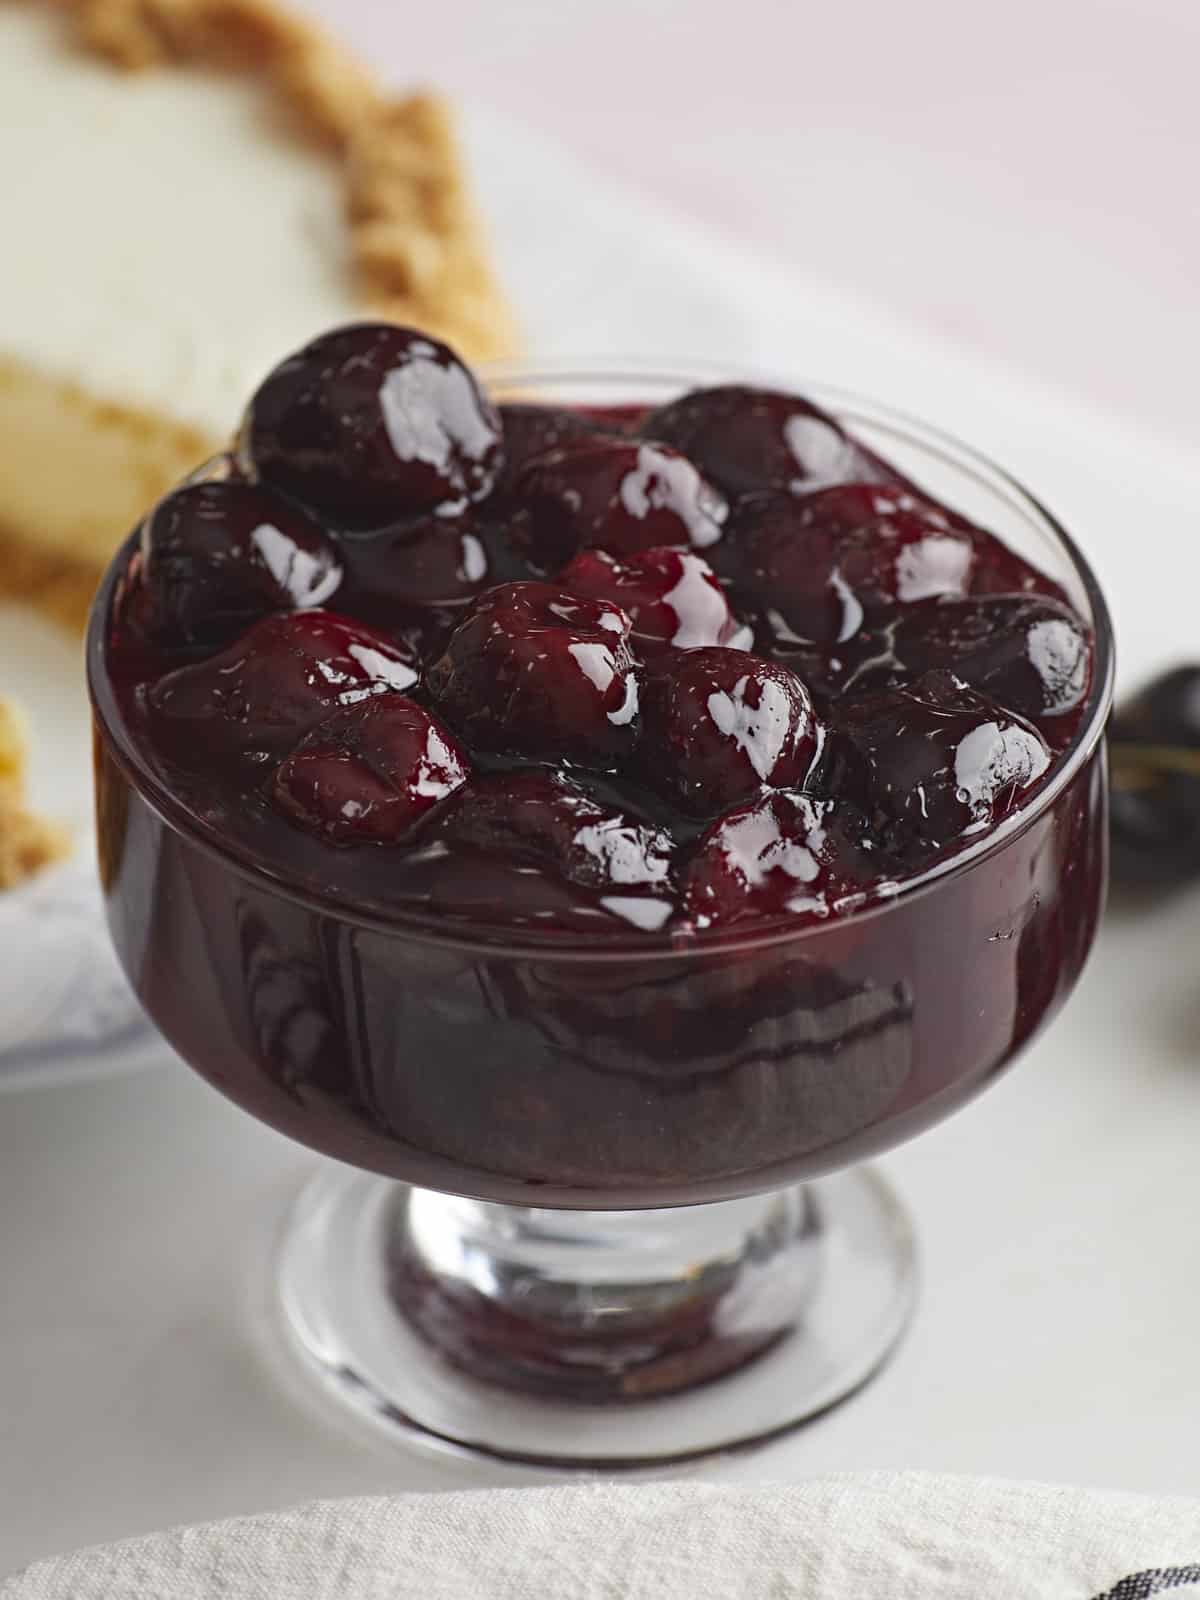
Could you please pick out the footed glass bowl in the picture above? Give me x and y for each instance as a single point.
(594, 1201)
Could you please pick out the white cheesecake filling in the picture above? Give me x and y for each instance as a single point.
(166, 239)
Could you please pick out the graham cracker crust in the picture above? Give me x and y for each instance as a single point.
(27, 843)
(420, 253)
(60, 587)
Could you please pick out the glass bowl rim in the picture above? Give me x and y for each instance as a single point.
(557, 945)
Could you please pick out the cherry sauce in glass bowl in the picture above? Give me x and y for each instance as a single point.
(693, 790)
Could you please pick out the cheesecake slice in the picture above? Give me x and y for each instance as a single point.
(27, 843)
(192, 186)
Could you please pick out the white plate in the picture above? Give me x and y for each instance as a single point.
(65, 1009)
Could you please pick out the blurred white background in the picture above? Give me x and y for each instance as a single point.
(1018, 176)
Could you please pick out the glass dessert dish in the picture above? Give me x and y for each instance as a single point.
(597, 1199)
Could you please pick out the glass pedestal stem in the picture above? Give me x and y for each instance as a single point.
(593, 1341)
(604, 1306)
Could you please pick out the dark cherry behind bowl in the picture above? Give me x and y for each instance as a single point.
(609, 1072)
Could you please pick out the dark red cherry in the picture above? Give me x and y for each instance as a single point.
(427, 561)
(748, 440)
(532, 430)
(935, 763)
(718, 726)
(373, 422)
(621, 496)
(369, 773)
(671, 596)
(782, 854)
(257, 698)
(1154, 744)
(1026, 652)
(546, 819)
(819, 567)
(217, 556)
(534, 671)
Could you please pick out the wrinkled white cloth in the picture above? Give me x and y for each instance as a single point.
(906, 1536)
(66, 1011)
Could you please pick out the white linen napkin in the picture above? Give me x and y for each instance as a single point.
(66, 1011)
(910, 1536)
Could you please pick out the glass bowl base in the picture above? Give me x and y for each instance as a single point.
(827, 1269)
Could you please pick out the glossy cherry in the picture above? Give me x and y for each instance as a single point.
(532, 430)
(373, 422)
(748, 440)
(932, 764)
(782, 854)
(425, 561)
(218, 556)
(820, 567)
(671, 596)
(537, 672)
(617, 495)
(257, 698)
(1029, 653)
(694, 667)
(718, 726)
(548, 820)
(1154, 745)
(369, 773)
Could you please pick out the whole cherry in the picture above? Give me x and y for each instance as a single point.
(369, 773)
(218, 556)
(748, 440)
(535, 671)
(1027, 652)
(257, 698)
(422, 562)
(373, 422)
(719, 726)
(533, 430)
(933, 763)
(549, 820)
(671, 597)
(622, 496)
(784, 853)
(821, 567)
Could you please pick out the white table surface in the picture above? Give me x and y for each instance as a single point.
(1056, 1334)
